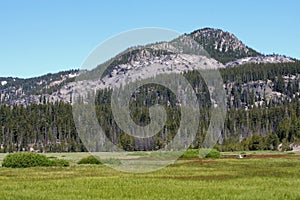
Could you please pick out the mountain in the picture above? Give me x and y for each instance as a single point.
(218, 46)
(222, 45)
(262, 94)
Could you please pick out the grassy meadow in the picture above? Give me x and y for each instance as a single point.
(261, 175)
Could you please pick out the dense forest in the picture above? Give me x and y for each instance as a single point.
(254, 121)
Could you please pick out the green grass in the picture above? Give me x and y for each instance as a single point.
(262, 176)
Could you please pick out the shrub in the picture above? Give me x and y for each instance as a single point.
(22, 160)
(26, 159)
(286, 146)
(89, 160)
(191, 153)
(59, 163)
(214, 153)
(206, 153)
(291, 153)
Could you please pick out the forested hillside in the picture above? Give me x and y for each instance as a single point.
(262, 102)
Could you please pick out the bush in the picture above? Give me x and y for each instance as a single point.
(214, 153)
(291, 153)
(59, 163)
(89, 160)
(22, 160)
(191, 153)
(26, 159)
(92, 160)
(286, 146)
(206, 153)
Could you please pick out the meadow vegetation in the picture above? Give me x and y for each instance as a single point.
(27, 159)
(260, 175)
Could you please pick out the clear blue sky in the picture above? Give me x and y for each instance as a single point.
(41, 36)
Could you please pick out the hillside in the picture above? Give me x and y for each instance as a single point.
(222, 45)
(27, 91)
(262, 94)
(212, 43)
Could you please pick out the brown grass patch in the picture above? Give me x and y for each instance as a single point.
(194, 161)
(200, 177)
(259, 156)
(267, 156)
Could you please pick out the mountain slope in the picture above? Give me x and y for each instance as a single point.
(218, 45)
(221, 45)
(14, 89)
(260, 59)
(262, 94)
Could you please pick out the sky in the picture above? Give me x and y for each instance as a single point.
(47, 36)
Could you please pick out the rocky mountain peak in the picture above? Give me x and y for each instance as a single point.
(224, 41)
(222, 45)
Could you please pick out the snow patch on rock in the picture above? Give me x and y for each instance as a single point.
(3, 83)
